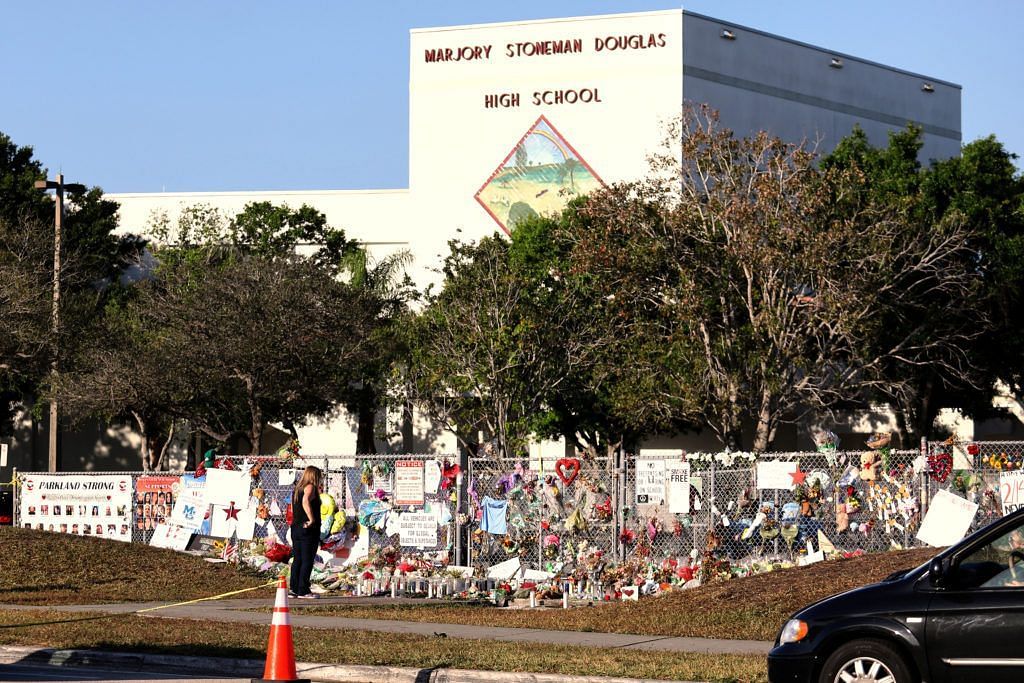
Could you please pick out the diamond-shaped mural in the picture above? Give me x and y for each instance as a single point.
(540, 175)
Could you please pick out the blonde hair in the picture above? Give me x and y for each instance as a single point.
(311, 475)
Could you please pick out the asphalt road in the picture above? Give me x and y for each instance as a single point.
(26, 672)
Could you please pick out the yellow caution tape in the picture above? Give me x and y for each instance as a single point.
(212, 597)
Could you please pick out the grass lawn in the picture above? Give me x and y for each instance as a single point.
(199, 638)
(41, 568)
(753, 608)
(38, 568)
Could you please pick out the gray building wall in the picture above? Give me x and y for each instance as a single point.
(760, 81)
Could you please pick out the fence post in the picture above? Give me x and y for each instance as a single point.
(458, 511)
(925, 493)
(621, 468)
(712, 506)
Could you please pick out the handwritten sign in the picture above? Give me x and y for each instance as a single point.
(1011, 488)
(650, 481)
(409, 482)
(417, 529)
(948, 519)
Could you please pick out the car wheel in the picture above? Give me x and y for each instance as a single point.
(864, 661)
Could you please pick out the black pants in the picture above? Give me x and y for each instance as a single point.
(304, 546)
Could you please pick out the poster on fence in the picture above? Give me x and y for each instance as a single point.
(1011, 488)
(409, 482)
(224, 487)
(431, 476)
(650, 481)
(417, 529)
(190, 507)
(776, 475)
(83, 505)
(170, 536)
(154, 500)
(678, 487)
(947, 521)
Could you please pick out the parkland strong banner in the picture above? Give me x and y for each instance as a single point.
(84, 505)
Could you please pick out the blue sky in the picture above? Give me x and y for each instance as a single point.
(202, 96)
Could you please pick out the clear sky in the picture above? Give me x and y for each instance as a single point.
(194, 95)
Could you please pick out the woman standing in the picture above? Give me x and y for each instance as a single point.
(305, 530)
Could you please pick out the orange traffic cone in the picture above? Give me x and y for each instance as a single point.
(280, 650)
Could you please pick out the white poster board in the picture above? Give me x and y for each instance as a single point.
(962, 460)
(409, 482)
(948, 519)
(224, 487)
(678, 487)
(1011, 489)
(417, 529)
(359, 547)
(83, 505)
(650, 481)
(776, 475)
(170, 536)
(431, 476)
(504, 571)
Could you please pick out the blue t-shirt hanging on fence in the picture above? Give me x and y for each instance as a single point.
(493, 521)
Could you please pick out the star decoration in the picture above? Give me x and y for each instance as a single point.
(231, 511)
(798, 476)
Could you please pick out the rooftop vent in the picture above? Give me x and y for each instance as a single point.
(728, 35)
(927, 87)
(836, 63)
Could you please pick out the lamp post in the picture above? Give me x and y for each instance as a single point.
(58, 215)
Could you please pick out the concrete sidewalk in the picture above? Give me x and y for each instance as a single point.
(237, 611)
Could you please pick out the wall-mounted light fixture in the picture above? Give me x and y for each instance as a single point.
(728, 35)
(836, 63)
(927, 87)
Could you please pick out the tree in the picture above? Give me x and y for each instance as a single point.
(486, 355)
(763, 282)
(386, 281)
(982, 189)
(231, 349)
(93, 259)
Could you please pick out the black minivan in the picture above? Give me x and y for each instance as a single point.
(957, 618)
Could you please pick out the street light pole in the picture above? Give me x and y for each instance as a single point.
(58, 219)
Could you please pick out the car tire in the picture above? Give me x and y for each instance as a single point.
(866, 660)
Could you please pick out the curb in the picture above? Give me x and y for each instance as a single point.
(252, 668)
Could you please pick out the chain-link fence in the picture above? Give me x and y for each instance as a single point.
(555, 515)
(573, 516)
(130, 506)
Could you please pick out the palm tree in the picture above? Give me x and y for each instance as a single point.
(387, 281)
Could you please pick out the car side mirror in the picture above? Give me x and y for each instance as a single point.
(936, 573)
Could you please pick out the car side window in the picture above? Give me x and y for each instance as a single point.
(1000, 564)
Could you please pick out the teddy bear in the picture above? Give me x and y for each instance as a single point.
(870, 462)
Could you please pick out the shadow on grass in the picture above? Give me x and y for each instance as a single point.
(190, 649)
(64, 621)
(61, 587)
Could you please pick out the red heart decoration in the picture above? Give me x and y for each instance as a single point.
(627, 591)
(108, 497)
(43, 497)
(567, 470)
(973, 449)
(941, 465)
